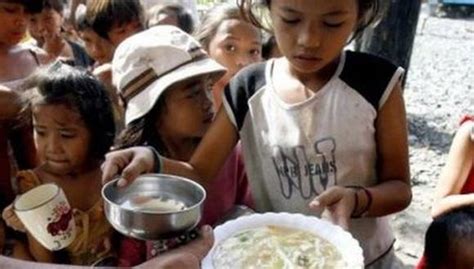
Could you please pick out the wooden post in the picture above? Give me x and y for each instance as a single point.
(394, 36)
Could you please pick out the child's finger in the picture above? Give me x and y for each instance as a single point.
(327, 198)
(132, 171)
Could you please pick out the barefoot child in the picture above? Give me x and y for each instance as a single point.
(321, 128)
(73, 129)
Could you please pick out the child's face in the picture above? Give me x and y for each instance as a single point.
(188, 111)
(235, 45)
(14, 22)
(312, 33)
(100, 49)
(49, 23)
(61, 138)
(33, 27)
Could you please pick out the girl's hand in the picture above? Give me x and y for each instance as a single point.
(128, 164)
(339, 203)
(12, 220)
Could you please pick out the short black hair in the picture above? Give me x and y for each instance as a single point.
(60, 83)
(103, 15)
(185, 19)
(57, 5)
(446, 233)
(31, 6)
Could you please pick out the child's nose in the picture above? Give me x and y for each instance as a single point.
(309, 37)
(53, 146)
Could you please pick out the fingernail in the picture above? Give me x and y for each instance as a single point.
(315, 204)
(122, 182)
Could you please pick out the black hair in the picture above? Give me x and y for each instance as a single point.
(185, 19)
(268, 45)
(142, 131)
(103, 15)
(56, 5)
(60, 83)
(446, 234)
(31, 6)
(369, 13)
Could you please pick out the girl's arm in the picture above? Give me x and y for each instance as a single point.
(393, 191)
(455, 173)
(204, 165)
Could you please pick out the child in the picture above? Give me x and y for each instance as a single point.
(171, 14)
(230, 40)
(321, 128)
(173, 112)
(16, 141)
(102, 52)
(73, 128)
(50, 25)
(115, 20)
(456, 185)
(449, 241)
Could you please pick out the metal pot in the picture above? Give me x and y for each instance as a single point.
(149, 223)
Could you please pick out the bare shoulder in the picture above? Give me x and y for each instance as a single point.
(466, 131)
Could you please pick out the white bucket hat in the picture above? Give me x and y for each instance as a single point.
(148, 63)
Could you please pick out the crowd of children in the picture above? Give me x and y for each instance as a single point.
(154, 85)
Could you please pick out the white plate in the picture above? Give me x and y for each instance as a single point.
(342, 240)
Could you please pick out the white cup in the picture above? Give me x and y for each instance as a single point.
(46, 214)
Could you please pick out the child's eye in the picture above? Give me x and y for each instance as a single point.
(67, 135)
(333, 24)
(290, 21)
(230, 48)
(255, 52)
(39, 132)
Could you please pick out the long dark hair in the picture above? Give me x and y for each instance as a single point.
(142, 131)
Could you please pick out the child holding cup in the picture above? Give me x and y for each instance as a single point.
(73, 129)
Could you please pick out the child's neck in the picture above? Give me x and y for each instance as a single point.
(55, 46)
(181, 148)
(314, 81)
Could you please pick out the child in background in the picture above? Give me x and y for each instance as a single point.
(50, 26)
(171, 14)
(115, 20)
(16, 140)
(321, 128)
(449, 241)
(172, 112)
(73, 129)
(102, 52)
(230, 40)
(456, 185)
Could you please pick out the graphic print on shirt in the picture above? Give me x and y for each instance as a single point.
(305, 173)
